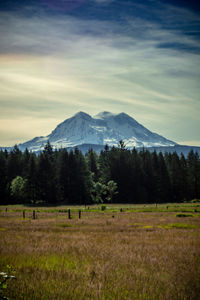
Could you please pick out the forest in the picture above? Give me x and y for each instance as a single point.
(115, 175)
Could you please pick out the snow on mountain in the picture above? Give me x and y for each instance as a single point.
(104, 114)
(104, 128)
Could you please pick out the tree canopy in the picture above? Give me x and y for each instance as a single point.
(114, 175)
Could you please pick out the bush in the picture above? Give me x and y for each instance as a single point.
(183, 215)
(103, 207)
(195, 201)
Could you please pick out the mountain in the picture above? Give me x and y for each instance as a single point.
(104, 128)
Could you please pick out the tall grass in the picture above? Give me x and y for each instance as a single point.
(128, 256)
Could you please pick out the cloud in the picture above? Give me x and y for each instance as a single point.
(52, 67)
(103, 1)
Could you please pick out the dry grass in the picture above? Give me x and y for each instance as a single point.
(128, 256)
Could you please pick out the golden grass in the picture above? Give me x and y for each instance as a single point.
(101, 256)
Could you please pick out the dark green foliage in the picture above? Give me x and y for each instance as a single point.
(116, 174)
(46, 179)
(4, 183)
(32, 181)
(14, 163)
(18, 189)
(103, 207)
(63, 176)
(92, 162)
(193, 162)
(183, 215)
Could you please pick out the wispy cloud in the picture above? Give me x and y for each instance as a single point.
(52, 67)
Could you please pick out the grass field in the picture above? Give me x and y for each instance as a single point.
(143, 252)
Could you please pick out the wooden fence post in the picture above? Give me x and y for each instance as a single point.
(79, 214)
(69, 214)
(34, 216)
(23, 214)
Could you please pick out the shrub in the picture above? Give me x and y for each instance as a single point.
(183, 215)
(195, 201)
(103, 207)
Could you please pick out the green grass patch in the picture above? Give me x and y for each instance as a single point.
(142, 225)
(65, 225)
(51, 262)
(55, 262)
(166, 207)
(183, 215)
(178, 226)
(147, 226)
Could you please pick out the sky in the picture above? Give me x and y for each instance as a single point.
(59, 57)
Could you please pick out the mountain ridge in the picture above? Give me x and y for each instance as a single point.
(104, 128)
(86, 132)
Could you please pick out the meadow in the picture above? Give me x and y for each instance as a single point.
(123, 252)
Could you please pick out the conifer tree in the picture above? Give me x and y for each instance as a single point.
(46, 175)
(3, 179)
(92, 162)
(32, 180)
(194, 174)
(14, 166)
(63, 176)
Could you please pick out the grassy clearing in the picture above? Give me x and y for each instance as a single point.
(103, 255)
(167, 207)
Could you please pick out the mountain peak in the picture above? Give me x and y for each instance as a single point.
(122, 114)
(104, 128)
(82, 114)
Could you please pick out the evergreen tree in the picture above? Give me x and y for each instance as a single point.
(92, 162)
(176, 178)
(193, 174)
(185, 178)
(83, 179)
(25, 162)
(63, 176)
(137, 190)
(149, 176)
(163, 181)
(72, 178)
(104, 165)
(32, 180)
(120, 171)
(46, 175)
(14, 166)
(3, 178)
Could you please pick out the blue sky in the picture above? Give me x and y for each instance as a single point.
(61, 57)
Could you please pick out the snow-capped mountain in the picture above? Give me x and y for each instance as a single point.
(104, 128)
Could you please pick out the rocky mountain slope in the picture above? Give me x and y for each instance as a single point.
(104, 128)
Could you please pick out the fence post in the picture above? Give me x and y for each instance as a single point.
(34, 216)
(79, 214)
(69, 214)
(23, 214)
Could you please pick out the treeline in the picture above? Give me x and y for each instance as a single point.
(117, 175)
